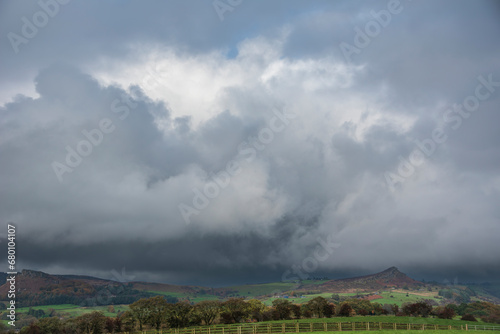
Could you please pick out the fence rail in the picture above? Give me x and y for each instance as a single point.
(302, 327)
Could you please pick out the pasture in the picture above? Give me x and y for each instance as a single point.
(69, 310)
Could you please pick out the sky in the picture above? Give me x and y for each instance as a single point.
(235, 141)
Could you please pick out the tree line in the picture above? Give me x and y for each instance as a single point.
(157, 313)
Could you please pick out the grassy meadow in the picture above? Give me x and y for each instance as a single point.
(439, 331)
(69, 310)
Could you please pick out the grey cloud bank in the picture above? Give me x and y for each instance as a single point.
(107, 128)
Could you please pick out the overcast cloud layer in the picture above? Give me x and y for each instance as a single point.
(234, 142)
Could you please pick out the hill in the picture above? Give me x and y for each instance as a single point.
(389, 278)
(36, 288)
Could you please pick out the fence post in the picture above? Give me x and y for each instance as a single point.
(367, 326)
(282, 327)
(353, 326)
(408, 326)
(297, 327)
(340, 326)
(394, 326)
(466, 327)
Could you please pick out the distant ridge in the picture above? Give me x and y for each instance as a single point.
(388, 278)
(39, 288)
(32, 282)
(36, 288)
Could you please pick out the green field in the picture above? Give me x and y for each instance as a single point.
(316, 282)
(47, 307)
(391, 319)
(254, 290)
(406, 332)
(359, 324)
(299, 300)
(241, 291)
(69, 310)
(185, 296)
(198, 299)
(399, 298)
(75, 310)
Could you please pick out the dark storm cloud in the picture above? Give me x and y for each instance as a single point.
(180, 109)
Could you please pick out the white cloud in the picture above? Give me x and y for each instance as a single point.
(322, 173)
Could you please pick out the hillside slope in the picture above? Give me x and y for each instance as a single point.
(37, 288)
(389, 278)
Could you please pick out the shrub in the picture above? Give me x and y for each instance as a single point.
(417, 309)
(363, 312)
(468, 317)
(445, 312)
(345, 310)
(493, 317)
